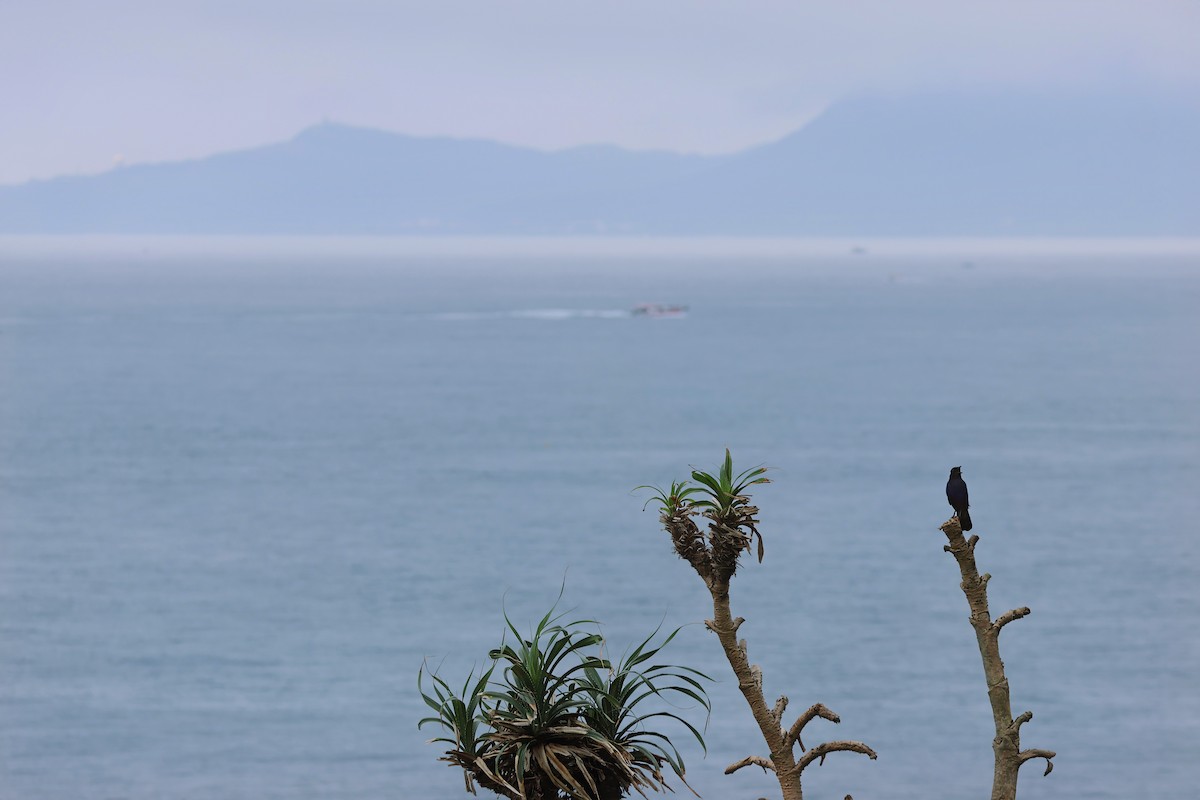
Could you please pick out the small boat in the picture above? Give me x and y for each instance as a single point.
(658, 310)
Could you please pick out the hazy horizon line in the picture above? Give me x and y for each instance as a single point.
(139, 246)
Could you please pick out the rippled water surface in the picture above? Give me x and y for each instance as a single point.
(246, 489)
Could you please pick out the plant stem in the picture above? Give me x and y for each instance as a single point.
(750, 684)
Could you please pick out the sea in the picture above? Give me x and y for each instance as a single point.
(250, 487)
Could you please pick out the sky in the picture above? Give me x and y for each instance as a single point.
(86, 86)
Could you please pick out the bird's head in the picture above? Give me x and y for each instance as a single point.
(956, 472)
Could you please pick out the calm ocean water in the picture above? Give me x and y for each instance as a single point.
(246, 488)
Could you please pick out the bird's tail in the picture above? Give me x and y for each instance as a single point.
(964, 519)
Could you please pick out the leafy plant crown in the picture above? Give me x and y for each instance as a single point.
(559, 711)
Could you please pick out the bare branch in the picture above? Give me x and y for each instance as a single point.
(1028, 755)
(825, 748)
(818, 710)
(1021, 720)
(780, 706)
(1010, 616)
(732, 628)
(765, 763)
(953, 529)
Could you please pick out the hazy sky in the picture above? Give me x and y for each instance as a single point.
(85, 84)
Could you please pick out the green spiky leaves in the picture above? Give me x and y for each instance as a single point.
(727, 493)
(671, 501)
(561, 720)
(724, 500)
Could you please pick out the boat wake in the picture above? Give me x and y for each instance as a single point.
(555, 314)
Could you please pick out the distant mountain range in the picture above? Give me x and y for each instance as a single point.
(931, 165)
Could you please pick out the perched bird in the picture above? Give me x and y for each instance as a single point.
(956, 494)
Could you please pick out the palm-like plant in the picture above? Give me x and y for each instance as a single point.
(727, 492)
(618, 694)
(673, 500)
(538, 708)
(726, 504)
(462, 715)
(732, 526)
(675, 511)
(560, 720)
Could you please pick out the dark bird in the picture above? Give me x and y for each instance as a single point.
(956, 494)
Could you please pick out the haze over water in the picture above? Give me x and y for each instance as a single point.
(247, 486)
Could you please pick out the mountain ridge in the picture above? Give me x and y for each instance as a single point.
(925, 165)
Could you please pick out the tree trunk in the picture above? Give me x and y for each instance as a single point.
(750, 683)
(787, 768)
